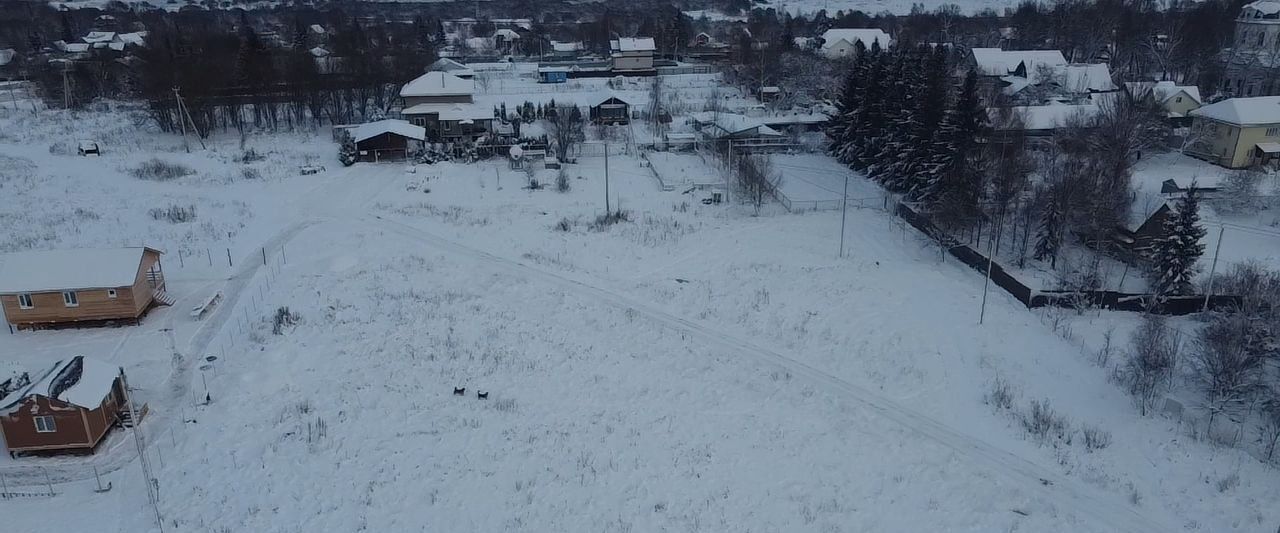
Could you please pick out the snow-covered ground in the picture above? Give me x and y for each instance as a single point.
(691, 368)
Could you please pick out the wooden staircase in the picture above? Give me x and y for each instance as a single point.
(161, 297)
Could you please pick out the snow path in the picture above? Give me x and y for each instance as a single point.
(1067, 491)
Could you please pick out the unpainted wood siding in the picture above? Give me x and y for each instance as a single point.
(93, 304)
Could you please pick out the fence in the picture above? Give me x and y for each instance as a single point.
(223, 332)
(1033, 298)
(799, 206)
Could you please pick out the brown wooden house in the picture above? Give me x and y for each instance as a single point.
(81, 286)
(611, 110)
(69, 409)
(387, 140)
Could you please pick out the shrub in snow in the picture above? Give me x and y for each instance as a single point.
(62, 148)
(562, 181)
(1240, 192)
(1095, 438)
(610, 218)
(1001, 395)
(250, 156)
(1045, 424)
(1229, 482)
(564, 225)
(250, 173)
(1148, 372)
(177, 214)
(1269, 429)
(283, 319)
(160, 170)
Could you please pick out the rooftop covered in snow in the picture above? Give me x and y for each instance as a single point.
(80, 381)
(997, 62)
(1256, 111)
(867, 36)
(632, 44)
(437, 83)
(398, 127)
(74, 269)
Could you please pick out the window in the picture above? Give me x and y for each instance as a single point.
(69, 299)
(24, 301)
(1179, 100)
(44, 424)
(111, 293)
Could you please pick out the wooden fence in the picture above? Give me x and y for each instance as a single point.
(1033, 298)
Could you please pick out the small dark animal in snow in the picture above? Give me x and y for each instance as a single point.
(459, 391)
(681, 280)
(1045, 482)
(482, 395)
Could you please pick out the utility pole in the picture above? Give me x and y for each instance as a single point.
(992, 246)
(606, 178)
(1213, 267)
(844, 209)
(66, 89)
(182, 119)
(152, 494)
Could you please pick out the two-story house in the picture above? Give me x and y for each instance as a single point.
(444, 105)
(632, 54)
(1237, 133)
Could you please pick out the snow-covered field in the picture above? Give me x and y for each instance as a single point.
(692, 368)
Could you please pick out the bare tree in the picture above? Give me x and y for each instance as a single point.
(567, 129)
(1230, 365)
(1153, 355)
(754, 178)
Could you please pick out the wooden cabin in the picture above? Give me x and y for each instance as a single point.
(612, 110)
(53, 288)
(387, 140)
(70, 409)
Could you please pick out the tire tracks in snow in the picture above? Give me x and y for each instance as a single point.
(1067, 493)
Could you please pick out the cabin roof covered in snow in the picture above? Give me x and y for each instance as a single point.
(1254, 111)
(633, 44)
(1265, 7)
(80, 381)
(1164, 90)
(398, 127)
(572, 46)
(732, 123)
(853, 35)
(78, 268)
(137, 38)
(1087, 78)
(997, 62)
(447, 111)
(507, 34)
(99, 37)
(437, 83)
(6, 56)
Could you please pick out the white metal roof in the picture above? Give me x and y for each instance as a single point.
(1254, 111)
(57, 270)
(438, 84)
(398, 127)
(633, 44)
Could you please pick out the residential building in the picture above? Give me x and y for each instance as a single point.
(80, 286)
(443, 104)
(387, 140)
(611, 110)
(1177, 100)
(632, 54)
(1251, 66)
(842, 42)
(453, 67)
(68, 409)
(1238, 132)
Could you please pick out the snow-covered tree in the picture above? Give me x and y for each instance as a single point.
(1174, 255)
(954, 189)
(1049, 234)
(347, 152)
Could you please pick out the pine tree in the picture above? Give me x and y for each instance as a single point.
(347, 152)
(954, 185)
(1174, 255)
(1049, 235)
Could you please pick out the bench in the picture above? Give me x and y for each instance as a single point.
(204, 307)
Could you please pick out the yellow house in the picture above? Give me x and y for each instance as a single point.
(1237, 133)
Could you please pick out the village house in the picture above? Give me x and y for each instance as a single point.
(553, 74)
(68, 409)
(1251, 65)
(1177, 101)
(632, 54)
(731, 126)
(566, 51)
(1237, 133)
(611, 110)
(443, 104)
(842, 42)
(80, 286)
(1039, 120)
(387, 140)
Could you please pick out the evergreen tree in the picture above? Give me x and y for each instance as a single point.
(1049, 235)
(347, 152)
(842, 127)
(954, 187)
(1174, 254)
